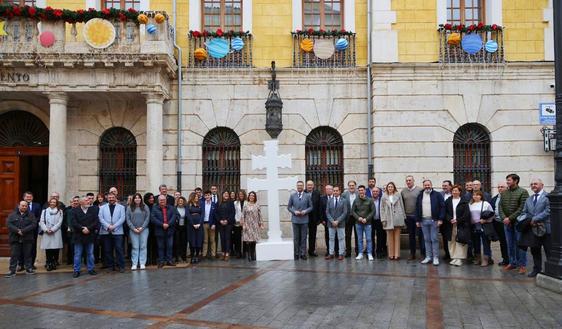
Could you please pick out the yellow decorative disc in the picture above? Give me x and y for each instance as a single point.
(307, 45)
(454, 39)
(99, 33)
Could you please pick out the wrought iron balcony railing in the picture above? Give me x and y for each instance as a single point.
(238, 54)
(341, 57)
(486, 47)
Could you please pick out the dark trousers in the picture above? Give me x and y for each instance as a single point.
(499, 227)
(299, 239)
(33, 251)
(225, 232)
(52, 256)
(18, 250)
(327, 238)
(312, 229)
(152, 246)
(69, 248)
(113, 242)
(180, 242)
(413, 230)
(237, 240)
(379, 248)
(542, 242)
(165, 248)
(98, 250)
(349, 229)
(446, 247)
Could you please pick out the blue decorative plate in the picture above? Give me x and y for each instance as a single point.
(342, 44)
(471, 43)
(491, 46)
(237, 44)
(218, 48)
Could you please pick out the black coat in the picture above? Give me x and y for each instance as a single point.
(25, 222)
(79, 219)
(157, 219)
(316, 215)
(323, 207)
(463, 217)
(226, 210)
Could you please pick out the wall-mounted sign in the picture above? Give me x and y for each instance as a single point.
(547, 113)
(14, 77)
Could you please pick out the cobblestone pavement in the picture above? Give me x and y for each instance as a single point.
(288, 294)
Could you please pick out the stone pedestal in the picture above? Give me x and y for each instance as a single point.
(550, 283)
(274, 250)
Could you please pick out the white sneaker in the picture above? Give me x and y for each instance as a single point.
(436, 261)
(453, 262)
(426, 260)
(359, 257)
(370, 257)
(133, 268)
(142, 267)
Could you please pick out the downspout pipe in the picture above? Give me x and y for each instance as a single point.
(179, 100)
(370, 167)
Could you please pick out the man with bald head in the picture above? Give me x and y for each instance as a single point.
(537, 208)
(21, 227)
(164, 218)
(498, 224)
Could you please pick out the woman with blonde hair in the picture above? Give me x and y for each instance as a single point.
(51, 240)
(393, 218)
(252, 224)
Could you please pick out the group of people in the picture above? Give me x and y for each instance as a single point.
(164, 227)
(468, 219)
(167, 223)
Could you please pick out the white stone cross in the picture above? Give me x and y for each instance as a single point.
(272, 183)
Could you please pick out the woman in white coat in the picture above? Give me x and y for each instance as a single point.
(393, 217)
(51, 241)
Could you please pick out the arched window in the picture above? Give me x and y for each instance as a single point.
(471, 152)
(221, 159)
(19, 128)
(118, 161)
(324, 157)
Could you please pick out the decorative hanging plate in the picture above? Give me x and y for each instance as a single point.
(237, 44)
(471, 43)
(307, 45)
(324, 48)
(342, 44)
(151, 28)
(218, 48)
(454, 39)
(200, 54)
(491, 46)
(99, 33)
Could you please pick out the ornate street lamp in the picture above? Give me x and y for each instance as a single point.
(273, 106)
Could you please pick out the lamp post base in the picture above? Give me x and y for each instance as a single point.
(550, 283)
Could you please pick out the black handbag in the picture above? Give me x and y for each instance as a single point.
(463, 235)
(490, 232)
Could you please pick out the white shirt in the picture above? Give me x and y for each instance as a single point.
(207, 211)
(352, 197)
(426, 205)
(455, 204)
(446, 196)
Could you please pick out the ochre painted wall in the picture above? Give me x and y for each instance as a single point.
(524, 32)
(416, 23)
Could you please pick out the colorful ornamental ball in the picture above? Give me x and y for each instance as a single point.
(218, 48)
(159, 18)
(237, 44)
(471, 43)
(307, 45)
(324, 48)
(491, 46)
(200, 54)
(142, 18)
(454, 39)
(151, 28)
(342, 44)
(47, 39)
(99, 33)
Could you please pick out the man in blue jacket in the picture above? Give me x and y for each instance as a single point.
(430, 213)
(112, 217)
(164, 218)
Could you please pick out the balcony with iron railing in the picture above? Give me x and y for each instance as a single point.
(323, 49)
(36, 36)
(477, 44)
(220, 49)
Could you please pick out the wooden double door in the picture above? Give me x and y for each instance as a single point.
(21, 169)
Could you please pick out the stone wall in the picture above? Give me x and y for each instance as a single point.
(418, 108)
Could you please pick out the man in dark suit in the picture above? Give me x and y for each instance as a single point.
(379, 248)
(498, 224)
(324, 201)
(35, 209)
(537, 208)
(163, 216)
(300, 206)
(208, 213)
(337, 213)
(314, 218)
(84, 222)
(350, 195)
(21, 224)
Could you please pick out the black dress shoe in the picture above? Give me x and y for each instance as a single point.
(303, 257)
(160, 265)
(296, 257)
(20, 269)
(92, 272)
(76, 274)
(30, 272)
(533, 274)
(502, 263)
(121, 270)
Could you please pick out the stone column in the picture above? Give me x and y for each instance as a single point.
(57, 143)
(154, 136)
